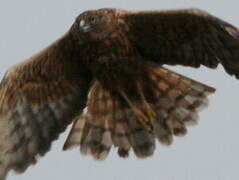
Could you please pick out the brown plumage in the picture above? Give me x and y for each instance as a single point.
(115, 58)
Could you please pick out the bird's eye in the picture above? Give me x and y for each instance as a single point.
(92, 19)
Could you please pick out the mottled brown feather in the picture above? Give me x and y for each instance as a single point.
(190, 37)
(132, 100)
(160, 108)
(38, 99)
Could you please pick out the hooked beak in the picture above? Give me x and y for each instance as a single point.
(83, 27)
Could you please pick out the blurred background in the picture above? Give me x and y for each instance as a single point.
(208, 152)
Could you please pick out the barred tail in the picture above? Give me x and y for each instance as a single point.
(160, 108)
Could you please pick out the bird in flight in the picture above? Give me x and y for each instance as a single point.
(111, 61)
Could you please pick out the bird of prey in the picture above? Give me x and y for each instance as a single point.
(111, 61)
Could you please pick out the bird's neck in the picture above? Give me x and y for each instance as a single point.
(105, 55)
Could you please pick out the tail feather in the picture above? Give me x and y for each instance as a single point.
(142, 140)
(97, 142)
(91, 133)
(160, 108)
(121, 134)
(162, 130)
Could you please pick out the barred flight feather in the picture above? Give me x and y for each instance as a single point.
(124, 123)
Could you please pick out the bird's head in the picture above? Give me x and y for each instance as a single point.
(95, 25)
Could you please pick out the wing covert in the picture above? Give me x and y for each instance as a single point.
(38, 99)
(188, 37)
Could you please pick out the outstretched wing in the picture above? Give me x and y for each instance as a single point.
(186, 37)
(38, 99)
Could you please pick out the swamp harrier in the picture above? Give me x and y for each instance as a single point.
(110, 61)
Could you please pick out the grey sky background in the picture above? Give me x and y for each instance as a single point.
(208, 152)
